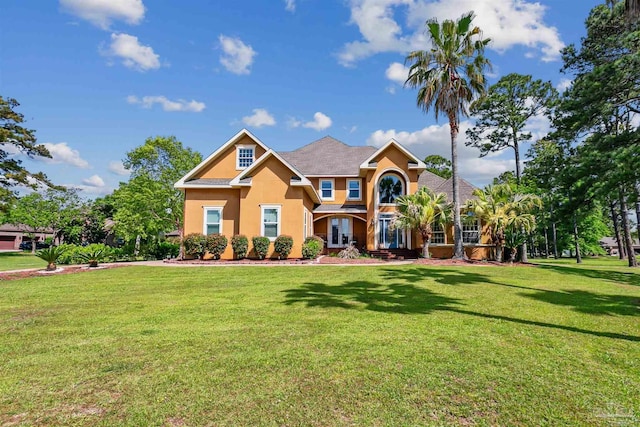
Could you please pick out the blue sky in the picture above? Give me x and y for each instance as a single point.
(95, 78)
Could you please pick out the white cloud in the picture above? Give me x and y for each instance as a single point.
(398, 73)
(290, 5)
(62, 153)
(133, 54)
(93, 181)
(237, 57)
(260, 117)
(167, 105)
(102, 12)
(508, 23)
(564, 84)
(320, 122)
(118, 168)
(292, 122)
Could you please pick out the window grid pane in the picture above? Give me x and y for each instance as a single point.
(245, 157)
(437, 235)
(270, 222)
(471, 233)
(213, 221)
(326, 188)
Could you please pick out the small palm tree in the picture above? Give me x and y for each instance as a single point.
(449, 76)
(420, 211)
(93, 254)
(504, 211)
(51, 255)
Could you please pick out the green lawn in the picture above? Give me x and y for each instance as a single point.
(324, 346)
(19, 261)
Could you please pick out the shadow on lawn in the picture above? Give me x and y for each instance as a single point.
(392, 297)
(631, 277)
(407, 298)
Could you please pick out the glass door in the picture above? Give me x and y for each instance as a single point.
(339, 232)
(389, 238)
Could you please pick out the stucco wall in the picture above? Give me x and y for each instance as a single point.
(224, 165)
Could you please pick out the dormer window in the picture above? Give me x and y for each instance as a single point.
(245, 155)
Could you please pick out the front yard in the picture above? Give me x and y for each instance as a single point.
(323, 345)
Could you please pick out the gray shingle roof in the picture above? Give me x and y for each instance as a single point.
(328, 156)
(430, 180)
(464, 187)
(209, 181)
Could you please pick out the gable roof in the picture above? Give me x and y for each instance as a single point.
(183, 182)
(328, 157)
(419, 164)
(430, 180)
(465, 189)
(244, 177)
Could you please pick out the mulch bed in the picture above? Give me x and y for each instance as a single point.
(245, 261)
(43, 273)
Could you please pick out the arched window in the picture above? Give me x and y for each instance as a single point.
(390, 188)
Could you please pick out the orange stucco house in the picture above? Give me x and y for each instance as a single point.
(344, 194)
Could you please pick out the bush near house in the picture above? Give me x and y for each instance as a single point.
(350, 252)
(215, 244)
(195, 245)
(261, 246)
(240, 245)
(166, 249)
(283, 245)
(312, 247)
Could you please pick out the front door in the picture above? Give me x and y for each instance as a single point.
(340, 232)
(389, 238)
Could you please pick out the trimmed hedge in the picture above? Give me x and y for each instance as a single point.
(215, 244)
(240, 245)
(283, 245)
(195, 244)
(261, 246)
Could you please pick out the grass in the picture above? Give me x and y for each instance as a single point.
(406, 345)
(19, 261)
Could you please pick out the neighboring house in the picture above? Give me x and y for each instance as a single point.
(610, 244)
(345, 194)
(12, 235)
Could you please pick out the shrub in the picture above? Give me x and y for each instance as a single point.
(350, 252)
(283, 245)
(240, 245)
(312, 247)
(70, 254)
(94, 254)
(51, 255)
(215, 244)
(166, 249)
(261, 246)
(195, 244)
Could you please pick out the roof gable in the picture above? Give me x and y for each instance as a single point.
(244, 177)
(233, 140)
(419, 164)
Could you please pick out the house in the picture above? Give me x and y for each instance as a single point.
(11, 236)
(344, 194)
(610, 244)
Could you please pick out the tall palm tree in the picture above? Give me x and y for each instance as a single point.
(449, 76)
(504, 212)
(420, 211)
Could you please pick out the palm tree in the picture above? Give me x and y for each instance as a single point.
(449, 77)
(504, 212)
(420, 211)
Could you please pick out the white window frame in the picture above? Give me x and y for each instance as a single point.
(278, 224)
(305, 224)
(333, 189)
(244, 147)
(205, 210)
(349, 181)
